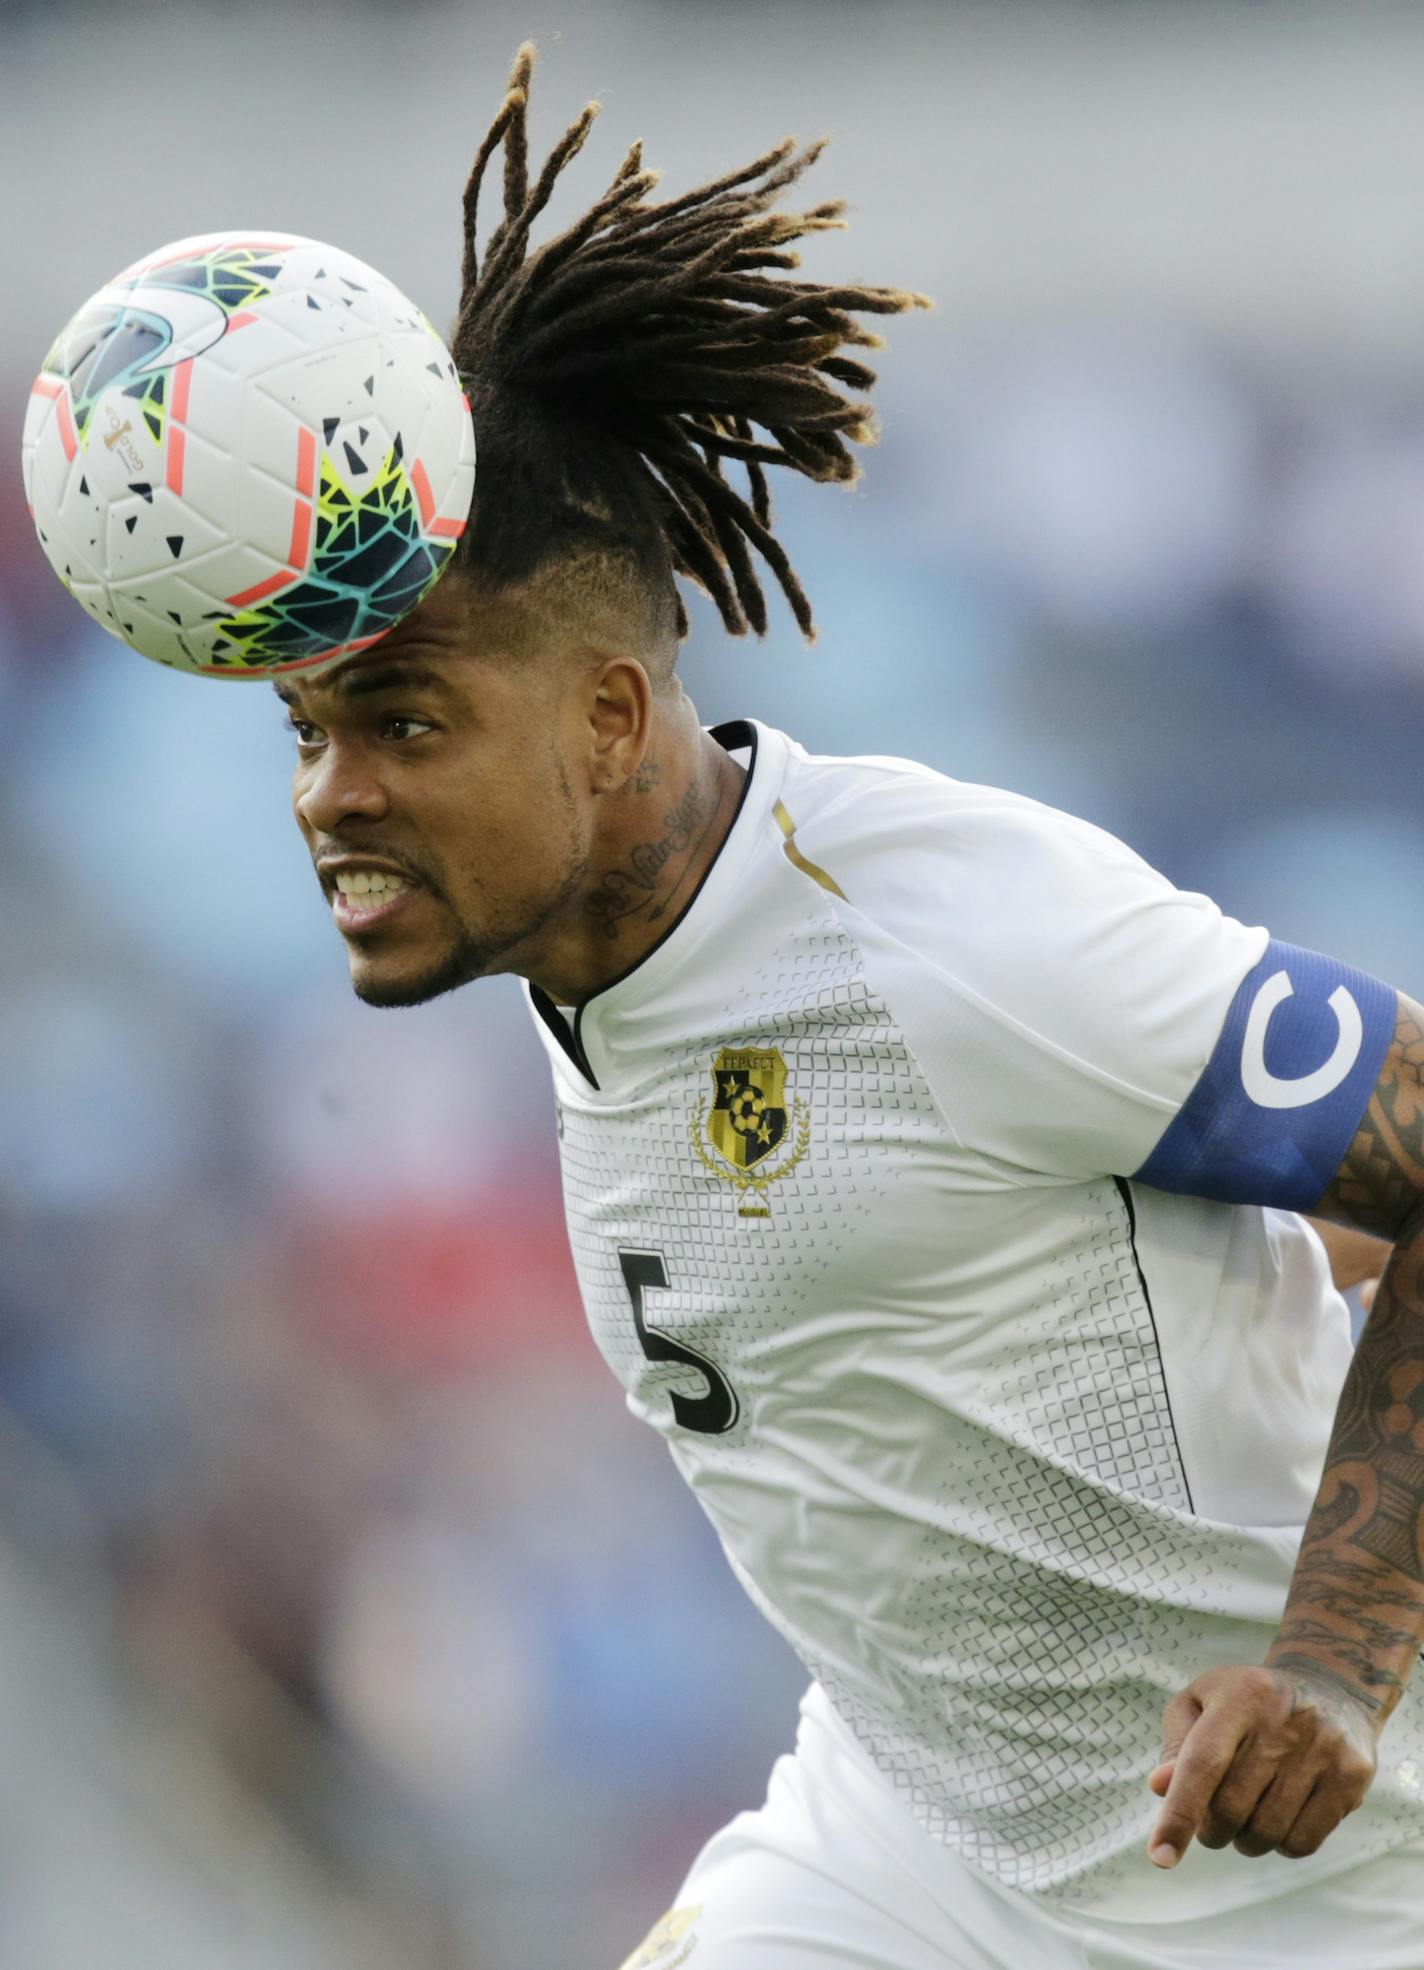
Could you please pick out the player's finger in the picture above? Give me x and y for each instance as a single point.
(1202, 1763)
(1340, 1788)
(1278, 1808)
(1235, 1799)
(1318, 1817)
(1161, 1777)
(1181, 1713)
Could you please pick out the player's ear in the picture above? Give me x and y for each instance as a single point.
(620, 710)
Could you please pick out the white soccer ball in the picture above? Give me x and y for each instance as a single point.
(248, 453)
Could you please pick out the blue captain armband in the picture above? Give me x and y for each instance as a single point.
(1286, 1086)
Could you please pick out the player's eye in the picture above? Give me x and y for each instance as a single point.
(400, 719)
(399, 726)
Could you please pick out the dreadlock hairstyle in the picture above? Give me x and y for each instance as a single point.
(615, 370)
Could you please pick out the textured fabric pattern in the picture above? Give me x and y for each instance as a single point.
(925, 1397)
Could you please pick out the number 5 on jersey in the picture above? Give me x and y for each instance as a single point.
(710, 1414)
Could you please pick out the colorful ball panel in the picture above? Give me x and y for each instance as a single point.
(248, 453)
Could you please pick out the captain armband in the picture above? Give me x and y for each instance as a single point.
(1279, 1101)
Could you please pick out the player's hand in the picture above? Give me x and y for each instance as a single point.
(1270, 1760)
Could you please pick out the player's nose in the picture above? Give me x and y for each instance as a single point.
(335, 787)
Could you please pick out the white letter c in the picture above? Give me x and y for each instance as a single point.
(1269, 1090)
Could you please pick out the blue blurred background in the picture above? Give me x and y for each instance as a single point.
(345, 1617)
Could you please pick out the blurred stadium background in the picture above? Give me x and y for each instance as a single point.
(345, 1618)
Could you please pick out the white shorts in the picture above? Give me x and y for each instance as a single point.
(832, 1874)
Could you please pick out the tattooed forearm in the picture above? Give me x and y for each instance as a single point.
(1339, 1585)
(1356, 1606)
(1352, 1680)
(1356, 1642)
(642, 889)
(1382, 1177)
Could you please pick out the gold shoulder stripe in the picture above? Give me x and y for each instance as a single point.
(658, 1943)
(798, 860)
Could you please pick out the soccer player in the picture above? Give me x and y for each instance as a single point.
(932, 1170)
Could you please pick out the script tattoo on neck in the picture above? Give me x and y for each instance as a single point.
(637, 890)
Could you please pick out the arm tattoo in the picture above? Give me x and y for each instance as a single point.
(1382, 1176)
(1296, 1666)
(1356, 1607)
(638, 890)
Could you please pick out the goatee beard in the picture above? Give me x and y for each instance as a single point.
(463, 964)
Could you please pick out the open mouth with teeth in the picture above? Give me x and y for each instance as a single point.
(362, 895)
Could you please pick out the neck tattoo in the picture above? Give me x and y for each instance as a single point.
(645, 888)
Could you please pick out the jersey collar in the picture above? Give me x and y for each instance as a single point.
(585, 1034)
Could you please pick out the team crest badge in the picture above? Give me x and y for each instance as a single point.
(742, 1138)
(660, 1949)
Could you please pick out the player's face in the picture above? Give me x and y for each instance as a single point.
(436, 786)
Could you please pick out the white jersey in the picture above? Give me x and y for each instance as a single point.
(1008, 1446)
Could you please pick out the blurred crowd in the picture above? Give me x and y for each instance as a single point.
(287, 1322)
(286, 1290)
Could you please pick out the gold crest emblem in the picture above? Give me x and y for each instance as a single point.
(655, 1952)
(748, 1124)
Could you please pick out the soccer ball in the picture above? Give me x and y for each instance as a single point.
(248, 453)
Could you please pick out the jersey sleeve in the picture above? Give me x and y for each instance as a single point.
(1278, 1103)
(1077, 1015)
